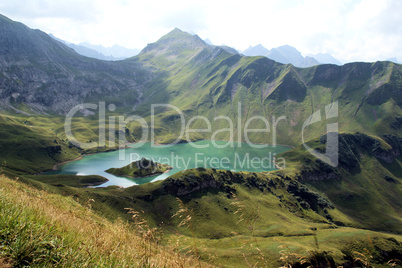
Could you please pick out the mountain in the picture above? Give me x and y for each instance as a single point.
(99, 52)
(257, 50)
(283, 54)
(208, 41)
(115, 51)
(287, 54)
(394, 60)
(325, 58)
(92, 53)
(209, 81)
(236, 218)
(231, 50)
(40, 74)
(88, 52)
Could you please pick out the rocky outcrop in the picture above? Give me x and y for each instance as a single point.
(197, 180)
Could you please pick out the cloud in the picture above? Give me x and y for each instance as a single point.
(191, 18)
(39, 9)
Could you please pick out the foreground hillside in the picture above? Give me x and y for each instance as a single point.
(307, 211)
(39, 229)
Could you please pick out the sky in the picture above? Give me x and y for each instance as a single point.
(350, 30)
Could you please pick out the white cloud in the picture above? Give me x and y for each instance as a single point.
(350, 30)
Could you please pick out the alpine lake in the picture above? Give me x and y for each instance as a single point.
(233, 156)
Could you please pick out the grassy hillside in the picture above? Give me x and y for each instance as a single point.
(39, 229)
(31, 144)
(232, 218)
(202, 80)
(306, 211)
(211, 84)
(366, 186)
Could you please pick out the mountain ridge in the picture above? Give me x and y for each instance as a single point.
(183, 70)
(287, 54)
(57, 74)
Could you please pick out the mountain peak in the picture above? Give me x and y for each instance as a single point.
(258, 50)
(287, 54)
(175, 42)
(286, 49)
(176, 33)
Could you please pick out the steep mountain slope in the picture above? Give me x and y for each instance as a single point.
(39, 74)
(366, 186)
(40, 229)
(212, 82)
(325, 58)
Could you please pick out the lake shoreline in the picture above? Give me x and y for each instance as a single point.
(55, 167)
(230, 146)
(148, 176)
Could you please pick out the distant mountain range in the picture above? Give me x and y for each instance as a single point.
(59, 78)
(99, 52)
(116, 51)
(394, 60)
(325, 58)
(284, 54)
(287, 54)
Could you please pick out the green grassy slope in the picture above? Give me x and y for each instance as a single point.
(233, 214)
(200, 79)
(31, 148)
(366, 186)
(32, 144)
(211, 82)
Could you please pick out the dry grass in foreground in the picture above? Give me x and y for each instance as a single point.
(39, 229)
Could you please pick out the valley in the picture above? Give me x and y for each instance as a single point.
(333, 203)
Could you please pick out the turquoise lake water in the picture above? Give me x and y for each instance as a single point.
(232, 156)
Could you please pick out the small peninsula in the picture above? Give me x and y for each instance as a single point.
(140, 169)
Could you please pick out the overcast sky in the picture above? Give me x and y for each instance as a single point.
(350, 30)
